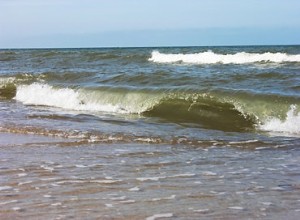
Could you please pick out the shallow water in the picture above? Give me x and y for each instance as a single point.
(51, 178)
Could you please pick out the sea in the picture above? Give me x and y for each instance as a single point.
(150, 133)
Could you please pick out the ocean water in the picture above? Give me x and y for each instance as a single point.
(148, 133)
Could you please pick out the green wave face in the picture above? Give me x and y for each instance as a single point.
(7, 91)
(213, 110)
(206, 113)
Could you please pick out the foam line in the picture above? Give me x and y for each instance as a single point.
(210, 57)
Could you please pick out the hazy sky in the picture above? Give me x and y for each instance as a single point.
(98, 23)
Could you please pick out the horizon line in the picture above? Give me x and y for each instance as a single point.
(137, 47)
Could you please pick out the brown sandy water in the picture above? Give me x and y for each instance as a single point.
(55, 178)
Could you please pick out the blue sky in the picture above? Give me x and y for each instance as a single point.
(122, 23)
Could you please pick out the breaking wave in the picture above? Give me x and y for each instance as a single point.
(178, 107)
(188, 109)
(210, 57)
(105, 100)
(289, 125)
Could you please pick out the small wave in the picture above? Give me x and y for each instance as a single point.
(71, 137)
(210, 57)
(289, 126)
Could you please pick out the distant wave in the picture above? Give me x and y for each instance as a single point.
(210, 57)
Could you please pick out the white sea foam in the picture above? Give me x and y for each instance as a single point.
(3, 188)
(164, 198)
(109, 205)
(6, 80)
(43, 94)
(105, 181)
(163, 215)
(134, 189)
(156, 178)
(8, 202)
(81, 100)
(183, 175)
(210, 57)
(236, 207)
(203, 211)
(209, 173)
(289, 126)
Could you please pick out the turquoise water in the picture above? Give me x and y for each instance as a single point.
(186, 126)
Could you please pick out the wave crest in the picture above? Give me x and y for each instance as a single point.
(289, 126)
(210, 57)
(182, 108)
(101, 99)
(187, 109)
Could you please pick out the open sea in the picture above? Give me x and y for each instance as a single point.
(150, 133)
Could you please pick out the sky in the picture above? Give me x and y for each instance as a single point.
(142, 23)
